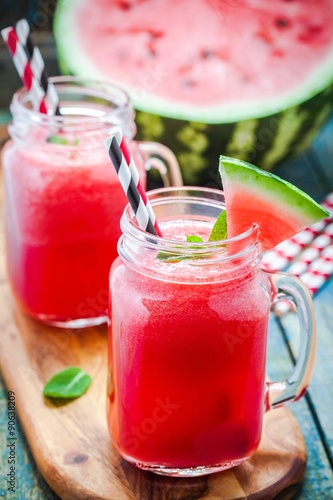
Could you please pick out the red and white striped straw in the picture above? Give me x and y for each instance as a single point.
(312, 267)
(25, 70)
(313, 251)
(328, 202)
(37, 65)
(302, 250)
(319, 271)
(315, 277)
(285, 252)
(128, 175)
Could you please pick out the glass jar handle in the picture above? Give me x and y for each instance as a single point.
(288, 287)
(160, 157)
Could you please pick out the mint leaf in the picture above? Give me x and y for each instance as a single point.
(176, 257)
(219, 231)
(194, 238)
(170, 256)
(58, 139)
(71, 382)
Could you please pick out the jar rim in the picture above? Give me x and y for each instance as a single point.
(241, 244)
(115, 98)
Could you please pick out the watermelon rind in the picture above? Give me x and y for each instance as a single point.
(266, 141)
(265, 132)
(254, 196)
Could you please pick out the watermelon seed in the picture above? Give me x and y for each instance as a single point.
(151, 48)
(154, 35)
(206, 54)
(282, 22)
(124, 5)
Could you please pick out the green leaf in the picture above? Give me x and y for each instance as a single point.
(176, 257)
(219, 231)
(169, 256)
(194, 238)
(71, 382)
(58, 139)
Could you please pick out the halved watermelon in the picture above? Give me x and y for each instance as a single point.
(249, 78)
(252, 195)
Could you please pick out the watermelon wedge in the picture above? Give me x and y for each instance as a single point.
(251, 79)
(252, 195)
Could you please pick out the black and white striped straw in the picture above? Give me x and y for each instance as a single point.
(128, 184)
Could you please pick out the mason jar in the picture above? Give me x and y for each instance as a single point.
(187, 387)
(63, 200)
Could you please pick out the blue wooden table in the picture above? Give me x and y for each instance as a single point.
(313, 172)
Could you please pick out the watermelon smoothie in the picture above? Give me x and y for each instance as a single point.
(187, 349)
(63, 203)
(62, 232)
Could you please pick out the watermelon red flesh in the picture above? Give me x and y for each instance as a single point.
(253, 196)
(188, 92)
(211, 54)
(265, 213)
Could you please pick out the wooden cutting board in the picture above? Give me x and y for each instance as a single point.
(70, 442)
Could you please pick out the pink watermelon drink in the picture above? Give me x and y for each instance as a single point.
(189, 389)
(188, 336)
(62, 234)
(63, 206)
